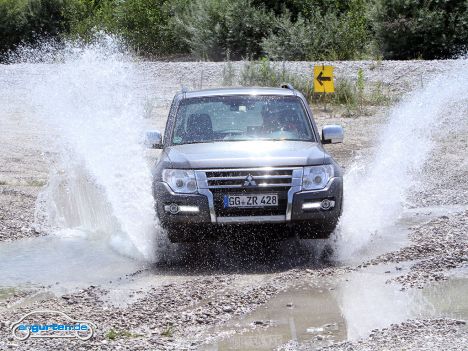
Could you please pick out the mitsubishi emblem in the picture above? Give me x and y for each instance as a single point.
(250, 181)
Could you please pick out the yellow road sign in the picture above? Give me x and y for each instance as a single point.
(323, 79)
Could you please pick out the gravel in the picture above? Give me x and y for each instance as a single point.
(437, 247)
(17, 212)
(432, 334)
(182, 313)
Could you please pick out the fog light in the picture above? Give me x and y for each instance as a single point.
(327, 204)
(172, 208)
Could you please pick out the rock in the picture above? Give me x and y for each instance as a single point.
(227, 309)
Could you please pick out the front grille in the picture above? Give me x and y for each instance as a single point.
(237, 178)
(254, 181)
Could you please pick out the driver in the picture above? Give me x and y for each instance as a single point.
(271, 121)
(279, 121)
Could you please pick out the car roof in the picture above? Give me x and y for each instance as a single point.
(241, 91)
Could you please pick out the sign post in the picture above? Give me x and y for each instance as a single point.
(323, 80)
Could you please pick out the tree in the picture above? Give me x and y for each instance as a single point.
(427, 29)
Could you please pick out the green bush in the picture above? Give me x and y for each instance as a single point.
(353, 95)
(26, 21)
(322, 36)
(427, 29)
(290, 41)
(86, 17)
(214, 29)
(266, 73)
(147, 27)
(247, 29)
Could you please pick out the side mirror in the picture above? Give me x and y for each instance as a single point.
(153, 139)
(332, 134)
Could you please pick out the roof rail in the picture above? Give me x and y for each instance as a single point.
(184, 89)
(287, 86)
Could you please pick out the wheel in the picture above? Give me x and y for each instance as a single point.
(326, 256)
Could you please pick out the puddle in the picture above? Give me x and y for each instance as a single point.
(449, 298)
(299, 314)
(346, 309)
(66, 262)
(420, 215)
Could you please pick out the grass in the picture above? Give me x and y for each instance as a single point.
(36, 182)
(168, 332)
(228, 74)
(355, 96)
(27, 182)
(114, 334)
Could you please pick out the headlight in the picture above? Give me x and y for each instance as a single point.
(180, 180)
(316, 177)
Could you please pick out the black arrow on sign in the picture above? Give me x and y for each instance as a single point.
(321, 78)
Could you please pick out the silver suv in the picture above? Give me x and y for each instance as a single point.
(244, 160)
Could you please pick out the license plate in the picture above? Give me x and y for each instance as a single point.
(254, 200)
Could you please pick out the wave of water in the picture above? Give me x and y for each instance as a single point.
(376, 190)
(100, 182)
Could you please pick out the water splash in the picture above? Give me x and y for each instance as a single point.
(376, 191)
(101, 182)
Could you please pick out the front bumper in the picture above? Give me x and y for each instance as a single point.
(200, 209)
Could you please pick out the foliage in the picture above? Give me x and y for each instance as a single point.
(360, 85)
(266, 73)
(86, 17)
(228, 74)
(354, 95)
(214, 28)
(145, 25)
(247, 29)
(322, 36)
(113, 334)
(25, 21)
(168, 332)
(427, 29)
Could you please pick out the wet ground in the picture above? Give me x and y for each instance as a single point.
(408, 281)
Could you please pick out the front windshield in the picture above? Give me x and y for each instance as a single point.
(240, 118)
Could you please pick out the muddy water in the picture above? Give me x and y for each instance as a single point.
(346, 309)
(57, 261)
(298, 315)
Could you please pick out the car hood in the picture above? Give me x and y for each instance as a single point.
(245, 154)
